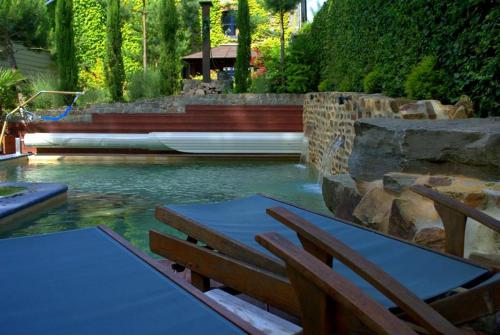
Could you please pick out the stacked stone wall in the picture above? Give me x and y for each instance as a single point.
(329, 121)
(176, 104)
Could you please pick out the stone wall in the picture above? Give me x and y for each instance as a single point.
(459, 158)
(176, 104)
(329, 121)
(329, 125)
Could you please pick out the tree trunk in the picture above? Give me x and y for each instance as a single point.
(282, 40)
(144, 38)
(9, 51)
(282, 50)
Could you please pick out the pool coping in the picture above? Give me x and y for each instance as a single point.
(14, 157)
(31, 203)
(151, 158)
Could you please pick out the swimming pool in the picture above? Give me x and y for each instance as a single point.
(124, 196)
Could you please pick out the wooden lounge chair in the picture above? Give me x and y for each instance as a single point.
(92, 281)
(239, 262)
(330, 304)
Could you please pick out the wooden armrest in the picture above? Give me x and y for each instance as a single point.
(454, 215)
(304, 269)
(323, 243)
(265, 286)
(458, 206)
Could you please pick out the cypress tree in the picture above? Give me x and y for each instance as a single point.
(115, 73)
(244, 52)
(169, 64)
(65, 46)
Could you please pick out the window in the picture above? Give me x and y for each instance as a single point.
(229, 23)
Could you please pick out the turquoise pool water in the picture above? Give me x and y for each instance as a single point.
(124, 196)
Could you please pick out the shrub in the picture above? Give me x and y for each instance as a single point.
(353, 37)
(425, 81)
(46, 82)
(94, 96)
(374, 81)
(143, 85)
(8, 81)
(259, 84)
(302, 71)
(326, 85)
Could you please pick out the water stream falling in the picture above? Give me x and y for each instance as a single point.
(328, 156)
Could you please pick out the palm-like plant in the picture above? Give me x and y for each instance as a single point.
(9, 79)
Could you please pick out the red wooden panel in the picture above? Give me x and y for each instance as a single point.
(200, 118)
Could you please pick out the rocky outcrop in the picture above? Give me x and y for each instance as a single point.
(341, 195)
(458, 147)
(432, 237)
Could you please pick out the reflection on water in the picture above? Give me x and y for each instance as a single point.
(124, 196)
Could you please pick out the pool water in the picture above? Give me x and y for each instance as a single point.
(124, 196)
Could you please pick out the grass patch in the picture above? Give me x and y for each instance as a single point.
(10, 190)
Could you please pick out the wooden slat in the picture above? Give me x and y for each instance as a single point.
(458, 206)
(391, 288)
(246, 278)
(470, 305)
(218, 241)
(316, 283)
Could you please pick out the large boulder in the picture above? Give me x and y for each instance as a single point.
(341, 195)
(468, 147)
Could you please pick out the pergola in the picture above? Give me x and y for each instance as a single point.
(223, 56)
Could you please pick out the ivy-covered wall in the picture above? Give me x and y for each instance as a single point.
(451, 47)
(90, 34)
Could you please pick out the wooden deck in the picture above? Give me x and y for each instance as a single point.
(197, 118)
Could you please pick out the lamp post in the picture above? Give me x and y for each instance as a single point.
(205, 29)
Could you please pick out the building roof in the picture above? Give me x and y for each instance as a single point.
(224, 51)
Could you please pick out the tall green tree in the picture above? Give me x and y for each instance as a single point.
(244, 52)
(115, 72)
(24, 21)
(191, 24)
(169, 62)
(65, 46)
(281, 7)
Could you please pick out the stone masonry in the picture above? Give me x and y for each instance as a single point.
(176, 104)
(330, 116)
(329, 121)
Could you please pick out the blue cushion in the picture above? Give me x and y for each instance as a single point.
(425, 273)
(84, 282)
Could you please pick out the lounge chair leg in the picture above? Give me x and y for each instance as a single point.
(454, 227)
(316, 251)
(320, 314)
(199, 281)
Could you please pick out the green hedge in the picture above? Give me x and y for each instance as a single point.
(378, 43)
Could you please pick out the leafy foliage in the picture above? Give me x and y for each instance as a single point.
(281, 7)
(425, 81)
(191, 24)
(144, 85)
(65, 46)
(9, 78)
(244, 52)
(302, 69)
(115, 73)
(46, 83)
(22, 20)
(379, 43)
(374, 81)
(169, 60)
(90, 41)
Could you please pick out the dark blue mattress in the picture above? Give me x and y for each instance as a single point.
(34, 194)
(85, 282)
(425, 273)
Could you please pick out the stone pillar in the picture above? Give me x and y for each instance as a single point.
(205, 28)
